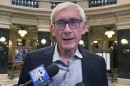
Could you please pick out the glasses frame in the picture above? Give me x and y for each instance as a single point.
(69, 23)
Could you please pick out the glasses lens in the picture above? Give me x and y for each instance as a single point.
(74, 23)
(60, 24)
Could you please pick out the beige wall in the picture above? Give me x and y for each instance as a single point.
(45, 4)
(6, 2)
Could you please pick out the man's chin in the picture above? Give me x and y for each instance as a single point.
(68, 48)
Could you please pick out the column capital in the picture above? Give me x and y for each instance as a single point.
(122, 12)
(121, 27)
(44, 28)
(6, 26)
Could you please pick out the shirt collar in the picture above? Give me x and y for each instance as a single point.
(56, 55)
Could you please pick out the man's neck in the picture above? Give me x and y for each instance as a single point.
(66, 53)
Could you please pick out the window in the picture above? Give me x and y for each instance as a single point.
(26, 3)
(98, 3)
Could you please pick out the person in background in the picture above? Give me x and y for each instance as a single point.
(68, 24)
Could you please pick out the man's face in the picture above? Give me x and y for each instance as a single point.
(68, 28)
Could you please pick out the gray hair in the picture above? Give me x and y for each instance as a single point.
(66, 5)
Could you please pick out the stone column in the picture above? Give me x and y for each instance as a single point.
(124, 52)
(4, 32)
(123, 41)
(85, 40)
(43, 34)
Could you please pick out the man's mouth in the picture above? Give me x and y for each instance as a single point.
(68, 39)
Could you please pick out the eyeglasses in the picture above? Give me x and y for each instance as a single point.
(73, 23)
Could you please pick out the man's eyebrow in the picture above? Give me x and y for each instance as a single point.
(67, 19)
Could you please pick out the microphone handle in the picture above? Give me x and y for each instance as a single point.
(26, 84)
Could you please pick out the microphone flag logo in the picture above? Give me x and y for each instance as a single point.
(39, 76)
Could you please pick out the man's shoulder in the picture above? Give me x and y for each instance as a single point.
(38, 53)
(43, 50)
(90, 54)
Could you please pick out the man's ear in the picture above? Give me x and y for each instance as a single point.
(85, 28)
(52, 29)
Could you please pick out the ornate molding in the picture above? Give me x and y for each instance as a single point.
(44, 28)
(102, 19)
(123, 27)
(101, 16)
(5, 26)
(24, 19)
(43, 19)
(123, 12)
(25, 10)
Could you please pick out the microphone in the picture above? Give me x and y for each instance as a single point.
(80, 84)
(52, 70)
(41, 76)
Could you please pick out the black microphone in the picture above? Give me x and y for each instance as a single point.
(80, 84)
(52, 70)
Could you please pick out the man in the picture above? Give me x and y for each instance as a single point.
(68, 24)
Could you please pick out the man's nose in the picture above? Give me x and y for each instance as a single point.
(67, 28)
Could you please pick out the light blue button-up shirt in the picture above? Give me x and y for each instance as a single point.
(68, 75)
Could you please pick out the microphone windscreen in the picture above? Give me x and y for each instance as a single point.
(52, 70)
(80, 84)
